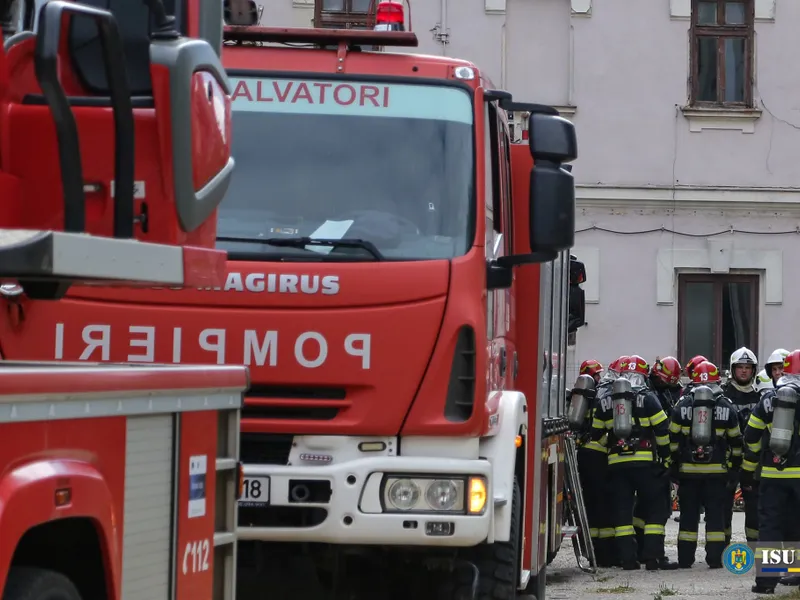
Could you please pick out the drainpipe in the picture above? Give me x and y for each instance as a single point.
(503, 47)
(571, 66)
(443, 20)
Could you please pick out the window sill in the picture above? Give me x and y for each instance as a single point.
(303, 3)
(732, 119)
(566, 111)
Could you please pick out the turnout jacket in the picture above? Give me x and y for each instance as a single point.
(725, 446)
(586, 440)
(744, 402)
(756, 438)
(669, 396)
(650, 436)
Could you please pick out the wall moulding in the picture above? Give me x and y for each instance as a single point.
(718, 257)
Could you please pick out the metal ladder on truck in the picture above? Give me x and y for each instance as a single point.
(577, 523)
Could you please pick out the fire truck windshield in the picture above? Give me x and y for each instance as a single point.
(390, 164)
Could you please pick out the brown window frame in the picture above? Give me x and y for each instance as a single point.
(746, 31)
(344, 19)
(718, 281)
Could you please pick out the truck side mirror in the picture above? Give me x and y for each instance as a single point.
(241, 13)
(552, 142)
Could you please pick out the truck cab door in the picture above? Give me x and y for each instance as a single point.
(499, 242)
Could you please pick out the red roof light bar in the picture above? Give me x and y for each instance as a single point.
(320, 37)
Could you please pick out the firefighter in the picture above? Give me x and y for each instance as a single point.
(614, 369)
(776, 450)
(773, 368)
(689, 369)
(606, 523)
(664, 380)
(740, 389)
(593, 368)
(637, 434)
(704, 431)
(592, 463)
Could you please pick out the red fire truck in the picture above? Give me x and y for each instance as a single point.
(116, 481)
(397, 284)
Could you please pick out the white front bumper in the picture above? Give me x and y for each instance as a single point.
(354, 515)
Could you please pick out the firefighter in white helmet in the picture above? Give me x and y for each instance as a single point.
(776, 450)
(740, 389)
(773, 368)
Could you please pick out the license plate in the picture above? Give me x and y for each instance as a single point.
(255, 491)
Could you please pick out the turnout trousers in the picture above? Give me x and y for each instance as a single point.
(631, 483)
(640, 511)
(693, 494)
(750, 498)
(778, 500)
(592, 469)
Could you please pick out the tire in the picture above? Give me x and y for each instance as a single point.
(498, 565)
(29, 583)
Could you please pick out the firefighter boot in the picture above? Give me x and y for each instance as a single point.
(790, 580)
(762, 589)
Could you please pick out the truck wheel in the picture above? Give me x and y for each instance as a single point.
(498, 564)
(29, 583)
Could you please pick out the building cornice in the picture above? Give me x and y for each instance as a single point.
(683, 197)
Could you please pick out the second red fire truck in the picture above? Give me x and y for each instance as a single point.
(398, 281)
(116, 481)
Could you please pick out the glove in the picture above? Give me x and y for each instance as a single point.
(747, 479)
(733, 479)
(674, 472)
(666, 464)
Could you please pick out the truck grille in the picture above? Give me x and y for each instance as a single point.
(294, 403)
(460, 400)
(265, 448)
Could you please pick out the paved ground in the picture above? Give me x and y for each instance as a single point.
(566, 582)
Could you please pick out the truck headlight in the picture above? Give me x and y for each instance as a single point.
(434, 494)
(404, 494)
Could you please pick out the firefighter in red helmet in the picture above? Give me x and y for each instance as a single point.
(665, 380)
(592, 458)
(593, 368)
(777, 450)
(693, 362)
(637, 434)
(706, 446)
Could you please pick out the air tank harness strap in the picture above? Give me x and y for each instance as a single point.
(704, 454)
(635, 442)
(781, 462)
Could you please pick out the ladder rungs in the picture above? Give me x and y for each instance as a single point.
(568, 531)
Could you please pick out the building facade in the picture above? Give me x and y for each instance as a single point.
(688, 120)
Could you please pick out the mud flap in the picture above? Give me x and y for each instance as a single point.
(470, 567)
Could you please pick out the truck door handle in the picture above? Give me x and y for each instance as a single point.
(515, 370)
(503, 362)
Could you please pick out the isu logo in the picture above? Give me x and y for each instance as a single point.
(310, 349)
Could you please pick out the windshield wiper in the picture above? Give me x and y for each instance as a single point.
(302, 242)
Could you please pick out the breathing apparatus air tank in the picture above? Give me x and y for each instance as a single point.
(622, 402)
(785, 406)
(703, 405)
(583, 392)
